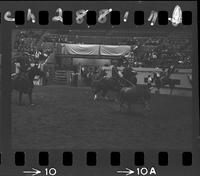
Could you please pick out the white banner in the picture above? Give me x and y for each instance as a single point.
(85, 61)
(114, 50)
(80, 49)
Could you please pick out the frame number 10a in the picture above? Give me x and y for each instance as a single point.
(138, 171)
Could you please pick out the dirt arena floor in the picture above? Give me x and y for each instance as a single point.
(68, 118)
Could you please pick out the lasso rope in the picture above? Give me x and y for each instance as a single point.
(127, 81)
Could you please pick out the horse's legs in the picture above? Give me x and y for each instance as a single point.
(104, 94)
(158, 90)
(96, 91)
(121, 103)
(30, 97)
(146, 104)
(20, 98)
(171, 89)
(121, 106)
(129, 107)
(170, 93)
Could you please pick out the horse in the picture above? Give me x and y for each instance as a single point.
(129, 79)
(104, 85)
(170, 82)
(129, 76)
(133, 95)
(23, 82)
(163, 81)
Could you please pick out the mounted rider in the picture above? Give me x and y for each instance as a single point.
(170, 70)
(149, 81)
(115, 72)
(100, 73)
(23, 67)
(129, 74)
(166, 73)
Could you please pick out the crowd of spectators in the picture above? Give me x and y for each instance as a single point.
(162, 53)
(163, 59)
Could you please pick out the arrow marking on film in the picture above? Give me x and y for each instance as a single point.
(127, 172)
(33, 172)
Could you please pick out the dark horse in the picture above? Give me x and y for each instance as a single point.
(163, 81)
(104, 85)
(23, 82)
(133, 95)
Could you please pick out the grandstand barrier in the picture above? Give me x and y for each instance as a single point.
(143, 72)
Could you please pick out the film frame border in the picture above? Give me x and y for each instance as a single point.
(7, 28)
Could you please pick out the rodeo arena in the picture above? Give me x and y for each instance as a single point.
(101, 89)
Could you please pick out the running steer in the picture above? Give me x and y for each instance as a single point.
(133, 95)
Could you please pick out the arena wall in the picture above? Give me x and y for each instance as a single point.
(142, 73)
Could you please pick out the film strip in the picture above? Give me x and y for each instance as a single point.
(99, 88)
(66, 17)
(91, 159)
